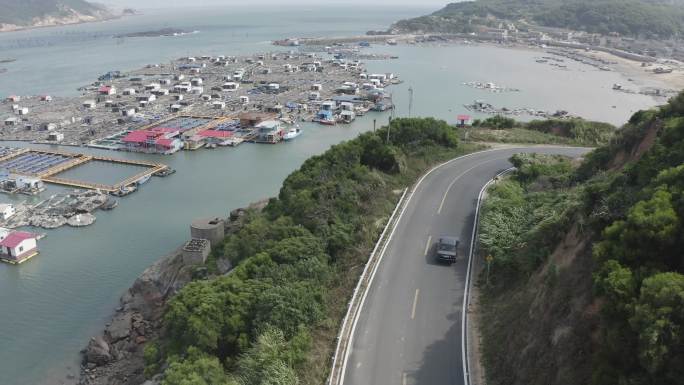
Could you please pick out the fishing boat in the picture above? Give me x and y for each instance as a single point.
(143, 180)
(292, 133)
(325, 117)
(124, 190)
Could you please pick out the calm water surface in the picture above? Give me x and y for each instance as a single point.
(52, 304)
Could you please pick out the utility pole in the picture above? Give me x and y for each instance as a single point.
(489, 260)
(389, 126)
(410, 90)
(374, 122)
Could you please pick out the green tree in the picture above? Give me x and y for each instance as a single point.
(195, 316)
(659, 321)
(197, 368)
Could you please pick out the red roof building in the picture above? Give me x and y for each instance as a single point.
(462, 120)
(216, 134)
(158, 140)
(106, 90)
(17, 246)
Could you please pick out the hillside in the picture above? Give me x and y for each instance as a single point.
(644, 18)
(586, 284)
(17, 14)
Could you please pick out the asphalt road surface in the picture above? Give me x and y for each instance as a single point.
(409, 330)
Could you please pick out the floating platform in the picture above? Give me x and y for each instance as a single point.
(14, 262)
(46, 164)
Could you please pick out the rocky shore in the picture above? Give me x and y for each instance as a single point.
(115, 357)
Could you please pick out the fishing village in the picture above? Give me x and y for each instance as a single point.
(202, 101)
(187, 104)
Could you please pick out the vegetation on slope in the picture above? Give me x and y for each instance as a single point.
(551, 131)
(274, 318)
(628, 17)
(23, 12)
(587, 281)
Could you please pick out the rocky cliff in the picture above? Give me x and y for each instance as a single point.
(115, 357)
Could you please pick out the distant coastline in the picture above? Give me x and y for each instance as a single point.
(76, 18)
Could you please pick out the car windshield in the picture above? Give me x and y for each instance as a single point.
(447, 246)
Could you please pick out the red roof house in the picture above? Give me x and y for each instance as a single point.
(17, 246)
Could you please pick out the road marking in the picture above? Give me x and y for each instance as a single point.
(439, 211)
(403, 378)
(427, 245)
(415, 302)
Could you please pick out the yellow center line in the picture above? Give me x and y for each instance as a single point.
(439, 211)
(415, 302)
(427, 245)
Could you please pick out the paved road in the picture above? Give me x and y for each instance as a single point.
(409, 330)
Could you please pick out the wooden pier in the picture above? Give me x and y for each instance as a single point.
(50, 175)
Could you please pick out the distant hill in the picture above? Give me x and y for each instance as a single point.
(646, 18)
(16, 14)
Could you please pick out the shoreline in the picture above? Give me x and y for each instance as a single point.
(9, 28)
(116, 354)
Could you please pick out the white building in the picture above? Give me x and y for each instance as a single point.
(55, 137)
(6, 210)
(17, 246)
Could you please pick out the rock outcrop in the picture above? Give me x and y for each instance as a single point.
(116, 356)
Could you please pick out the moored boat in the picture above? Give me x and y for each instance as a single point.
(292, 133)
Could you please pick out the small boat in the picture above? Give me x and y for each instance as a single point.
(110, 204)
(124, 190)
(292, 133)
(165, 172)
(143, 180)
(327, 122)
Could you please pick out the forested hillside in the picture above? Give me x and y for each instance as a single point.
(275, 317)
(587, 278)
(647, 18)
(25, 12)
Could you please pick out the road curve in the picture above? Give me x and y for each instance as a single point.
(409, 329)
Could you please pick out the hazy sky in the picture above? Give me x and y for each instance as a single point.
(194, 3)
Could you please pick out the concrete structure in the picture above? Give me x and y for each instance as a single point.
(211, 229)
(196, 251)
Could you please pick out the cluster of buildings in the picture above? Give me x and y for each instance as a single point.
(288, 84)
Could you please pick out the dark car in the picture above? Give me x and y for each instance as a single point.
(447, 249)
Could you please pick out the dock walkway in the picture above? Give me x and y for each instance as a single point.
(49, 175)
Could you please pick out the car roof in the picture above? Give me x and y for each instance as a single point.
(449, 240)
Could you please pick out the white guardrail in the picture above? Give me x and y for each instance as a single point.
(466, 294)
